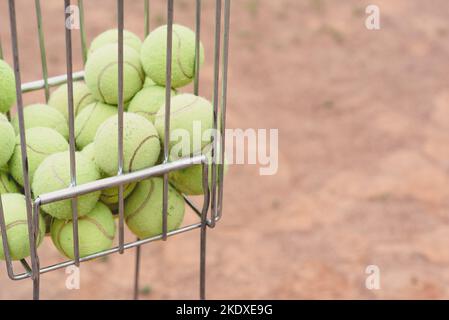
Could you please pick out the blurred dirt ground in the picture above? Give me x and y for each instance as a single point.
(363, 176)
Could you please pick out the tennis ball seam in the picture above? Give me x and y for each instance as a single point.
(3, 184)
(86, 121)
(80, 102)
(182, 109)
(111, 64)
(178, 58)
(131, 161)
(99, 226)
(57, 177)
(143, 204)
(15, 223)
(34, 150)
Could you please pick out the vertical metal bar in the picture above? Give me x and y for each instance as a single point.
(224, 101)
(42, 48)
(69, 62)
(23, 149)
(196, 88)
(4, 234)
(168, 73)
(82, 31)
(147, 16)
(215, 103)
(1, 49)
(137, 273)
(120, 20)
(203, 233)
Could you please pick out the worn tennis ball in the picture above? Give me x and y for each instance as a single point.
(191, 122)
(111, 37)
(41, 142)
(148, 101)
(7, 140)
(7, 87)
(42, 115)
(101, 74)
(15, 212)
(189, 181)
(96, 232)
(143, 209)
(7, 183)
(141, 145)
(89, 120)
(154, 52)
(82, 97)
(54, 174)
(149, 82)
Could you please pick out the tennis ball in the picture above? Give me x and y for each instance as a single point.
(81, 99)
(141, 145)
(15, 212)
(96, 232)
(101, 74)
(149, 82)
(143, 209)
(7, 140)
(189, 181)
(148, 101)
(54, 174)
(190, 124)
(41, 115)
(89, 152)
(154, 51)
(111, 37)
(7, 87)
(89, 120)
(7, 184)
(41, 142)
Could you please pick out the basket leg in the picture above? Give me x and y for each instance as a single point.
(137, 273)
(203, 261)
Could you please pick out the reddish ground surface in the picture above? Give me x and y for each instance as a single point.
(363, 160)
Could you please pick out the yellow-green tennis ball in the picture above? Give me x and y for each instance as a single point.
(96, 232)
(110, 196)
(7, 183)
(101, 74)
(148, 101)
(41, 142)
(14, 209)
(82, 97)
(89, 152)
(149, 82)
(42, 115)
(111, 37)
(54, 174)
(7, 87)
(190, 124)
(89, 120)
(7, 140)
(141, 144)
(143, 209)
(154, 51)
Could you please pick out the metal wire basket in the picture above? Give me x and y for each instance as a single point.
(210, 212)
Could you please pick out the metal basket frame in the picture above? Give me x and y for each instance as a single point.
(211, 210)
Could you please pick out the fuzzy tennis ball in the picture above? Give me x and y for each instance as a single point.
(54, 174)
(190, 124)
(101, 73)
(153, 55)
(89, 120)
(143, 209)
(14, 209)
(7, 87)
(81, 98)
(7, 140)
(149, 82)
(148, 101)
(141, 144)
(7, 183)
(42, 115)
(41, 142)
(96, 232)
(111, 37)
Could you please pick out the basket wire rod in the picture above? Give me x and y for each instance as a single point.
(224, 100)
(137, 273)
(147, 16)
(23, 150)
(203, 233)
(168, 73)
(196, 85)
(72, 147)
(1, 49)
(52, 81)
(82, 31)
(6, 251)
(215, 105)
(120, 21)
(43, 51)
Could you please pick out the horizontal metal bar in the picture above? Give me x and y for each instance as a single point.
(127, 178)
(52, 82)
(111, 251)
